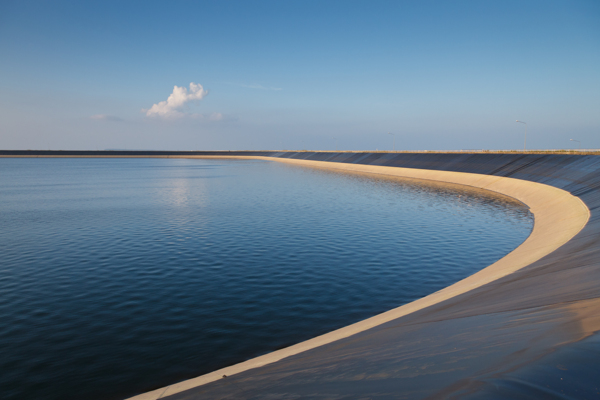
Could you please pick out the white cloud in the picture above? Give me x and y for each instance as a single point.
(105, 117)
(172, 106)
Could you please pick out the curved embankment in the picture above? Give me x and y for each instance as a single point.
(450, 343)
(528, 334)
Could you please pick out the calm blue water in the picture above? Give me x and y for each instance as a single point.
(119, 276)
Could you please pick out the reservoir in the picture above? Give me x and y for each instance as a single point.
(119, 276)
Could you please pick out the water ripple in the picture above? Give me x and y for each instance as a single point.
(119, 276)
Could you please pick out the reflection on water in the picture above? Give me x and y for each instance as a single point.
(178, 194)
(123, 275)
(175, 188)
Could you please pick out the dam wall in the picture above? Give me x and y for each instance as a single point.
(530, 333)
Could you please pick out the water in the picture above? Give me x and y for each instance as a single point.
(119, 276)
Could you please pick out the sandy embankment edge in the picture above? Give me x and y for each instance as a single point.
(559, 216)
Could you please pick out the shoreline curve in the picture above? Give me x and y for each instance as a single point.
(558, 217)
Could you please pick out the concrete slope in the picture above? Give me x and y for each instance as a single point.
(483, 337)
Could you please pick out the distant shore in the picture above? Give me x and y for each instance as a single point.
(195, 153)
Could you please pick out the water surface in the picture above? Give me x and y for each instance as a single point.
(119, 276)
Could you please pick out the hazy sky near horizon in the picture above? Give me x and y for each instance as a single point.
(299, 75)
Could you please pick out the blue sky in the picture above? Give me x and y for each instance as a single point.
(299, 75)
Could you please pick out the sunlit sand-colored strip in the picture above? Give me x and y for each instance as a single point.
(559, 216)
